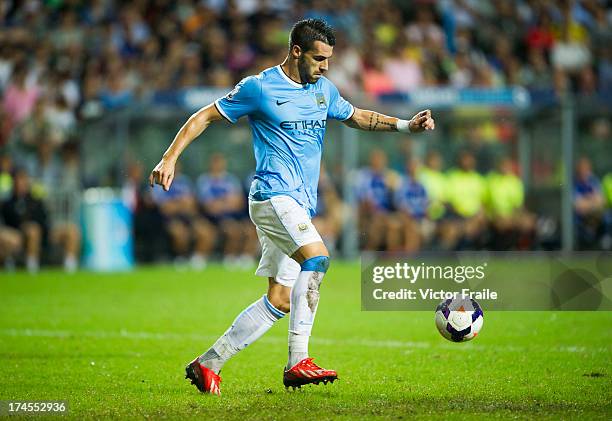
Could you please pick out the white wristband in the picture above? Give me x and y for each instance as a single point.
(403, 125)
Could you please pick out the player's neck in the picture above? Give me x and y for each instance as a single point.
(291, 70)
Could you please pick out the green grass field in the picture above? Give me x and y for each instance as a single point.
(115, 345)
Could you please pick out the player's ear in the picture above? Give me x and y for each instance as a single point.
(296, 51)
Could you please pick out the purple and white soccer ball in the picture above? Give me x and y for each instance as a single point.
(459, 319)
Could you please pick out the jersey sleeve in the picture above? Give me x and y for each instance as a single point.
(339, 108)
(242, 100)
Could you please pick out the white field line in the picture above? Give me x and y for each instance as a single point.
(405, 345)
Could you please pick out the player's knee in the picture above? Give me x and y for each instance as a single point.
(316, 264)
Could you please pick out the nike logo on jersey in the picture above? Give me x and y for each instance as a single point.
(281, 103)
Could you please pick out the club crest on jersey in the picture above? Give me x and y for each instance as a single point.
(303, 227)
(321, 103)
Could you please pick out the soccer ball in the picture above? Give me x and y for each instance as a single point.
(459, 319)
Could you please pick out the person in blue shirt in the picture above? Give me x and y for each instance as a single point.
(589, 205)
(287, 107)
(412, 206)
(220, 197)
(375, 185)
(182, 223)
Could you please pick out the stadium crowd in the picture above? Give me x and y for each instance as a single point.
(65, 60)
(62, 62)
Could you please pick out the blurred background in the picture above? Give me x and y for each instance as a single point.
(92, 93)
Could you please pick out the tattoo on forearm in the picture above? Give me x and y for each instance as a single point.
(377, 123)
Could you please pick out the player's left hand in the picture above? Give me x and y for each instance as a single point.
(422, 121)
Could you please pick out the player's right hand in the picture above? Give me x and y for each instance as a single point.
(163, 174)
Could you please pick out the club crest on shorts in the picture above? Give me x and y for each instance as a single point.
(302, 227)
(321, 103)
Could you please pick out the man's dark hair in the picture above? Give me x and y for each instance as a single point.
(305, 32)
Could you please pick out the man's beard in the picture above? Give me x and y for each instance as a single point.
(303, 70)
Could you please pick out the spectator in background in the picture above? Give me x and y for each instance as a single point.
(61, 120)
(35, 128)
(411, 229)
(607, 192)
(136, 195)
(116, 92)
(328, 220)
(403, 68)
(570, 54)
(11, 241)
(26, 214)
(347, 71)
(63, 193)
(20, 97)
(221, 201)
(434, 180)
(66, 234)
(466, 190)
(190, 74)
(535, 73)
(589, 205)
(540, 36)
(607, 189)
(424, 30)
(91, 105)
(375, 186)
(512, 225)
(183, 223)
(5, 126)
(595, 141)
(604, 69)
(70, 174)
(375, 80)
(44, 167)
(11, 244)
(6, 176)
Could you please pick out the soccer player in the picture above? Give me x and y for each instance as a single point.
(288, 107)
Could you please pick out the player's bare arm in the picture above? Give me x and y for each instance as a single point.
(163, 173)
(374, 121)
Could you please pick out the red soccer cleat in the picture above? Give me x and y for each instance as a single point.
(203, 378)
(306, 372)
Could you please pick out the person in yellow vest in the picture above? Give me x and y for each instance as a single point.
(512, 225)
(434, 180)
(6, 178)
(465, 194)
(11, 241)
(431, 175)
(607, 191)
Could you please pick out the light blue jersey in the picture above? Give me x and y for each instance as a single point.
(288, 122)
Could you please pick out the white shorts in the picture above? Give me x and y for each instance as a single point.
(283, 226)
